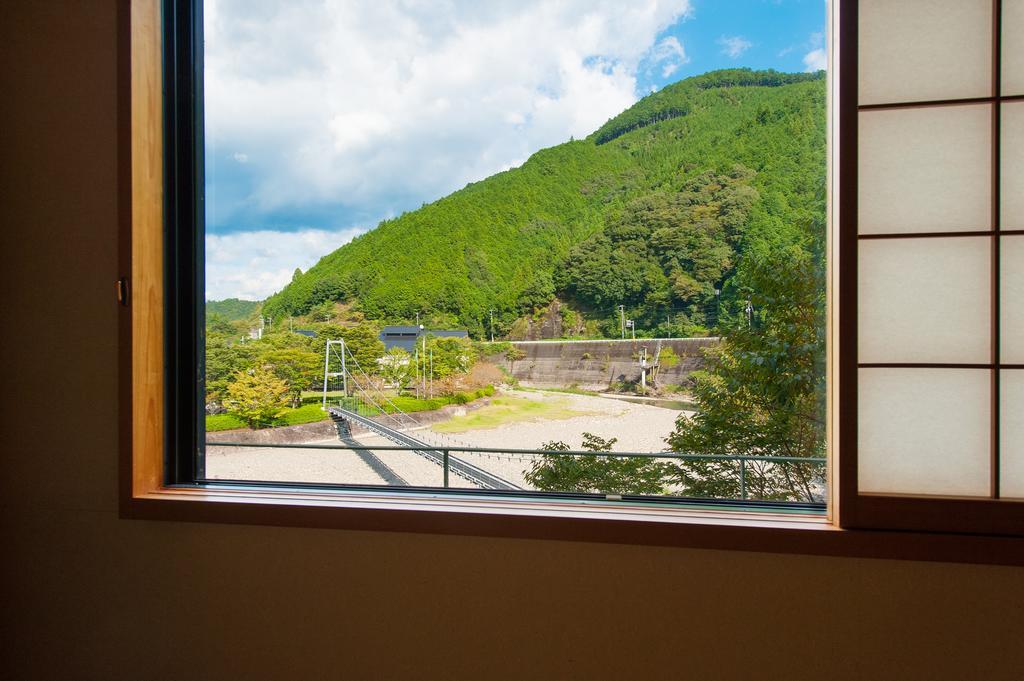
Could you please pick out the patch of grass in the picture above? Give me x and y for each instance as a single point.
(504, 410)
(217, 422)
(310, 411)
(307, 413)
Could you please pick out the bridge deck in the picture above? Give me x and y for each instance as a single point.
(460, 467)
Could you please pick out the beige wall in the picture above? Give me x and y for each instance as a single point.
(85, 595)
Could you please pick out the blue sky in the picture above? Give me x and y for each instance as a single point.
(326, 116)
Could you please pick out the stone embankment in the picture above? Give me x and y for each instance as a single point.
(598, 365)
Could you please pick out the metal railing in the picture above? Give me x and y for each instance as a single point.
(744, 461)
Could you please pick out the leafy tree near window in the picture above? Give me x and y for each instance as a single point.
(763, 391)
(604, 474)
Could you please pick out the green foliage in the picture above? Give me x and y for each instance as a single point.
(232, 309)
(256, 397)
(513, 355)
(664, 251)
(397, 368)
(218, 422)
(322, 312)
(602, 474)
(298, 367)
(361, 340)
(450, 356)
(501, 243)
(763, 392)
(307, 413)
(667, 358)
(675, 100)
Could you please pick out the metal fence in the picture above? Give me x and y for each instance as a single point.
(451, 464)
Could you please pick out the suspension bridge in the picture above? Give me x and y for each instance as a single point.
(353, 398)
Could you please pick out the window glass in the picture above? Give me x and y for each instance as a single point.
(568, 247)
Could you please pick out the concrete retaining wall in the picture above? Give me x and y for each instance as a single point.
(595, 365)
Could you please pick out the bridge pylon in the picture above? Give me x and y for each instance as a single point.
(338, 354)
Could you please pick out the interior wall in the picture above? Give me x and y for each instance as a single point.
(85, 595)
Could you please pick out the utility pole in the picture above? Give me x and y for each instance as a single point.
(424, 364)
(431, 373)
(492, 325)
(622, 317)
(718, 306)
(750, 313)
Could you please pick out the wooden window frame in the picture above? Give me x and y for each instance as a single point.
(143, 430)
(858, 509)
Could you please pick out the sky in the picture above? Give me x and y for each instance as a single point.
(324, 117)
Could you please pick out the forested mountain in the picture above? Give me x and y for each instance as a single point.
(653, 211)
(231, 309)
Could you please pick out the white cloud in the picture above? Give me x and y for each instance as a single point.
(240, 157)
(252, 265)
(734, 46)
(816, 60)
(357, 102)
(670, 54)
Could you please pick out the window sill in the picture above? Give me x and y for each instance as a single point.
(566, 521)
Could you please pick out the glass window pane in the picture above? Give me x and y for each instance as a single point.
(1012, 166)
(1011, 300)
(1011, 454)
(1013, 47)
(919, 50)
(924, 431)
(925, 170)
(925, 300)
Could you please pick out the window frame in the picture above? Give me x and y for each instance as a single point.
(858, 509)
(149, 489)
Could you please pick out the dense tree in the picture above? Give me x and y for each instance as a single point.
(232, 309)
(362, 341)
(596, 473)
(397, 368)
(763, 391)
(664, 252)
(298, 367)
(256, 396)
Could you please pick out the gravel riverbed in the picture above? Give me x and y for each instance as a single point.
(637, 428)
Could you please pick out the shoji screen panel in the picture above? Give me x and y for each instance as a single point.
(937, 226)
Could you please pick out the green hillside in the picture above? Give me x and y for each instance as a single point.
(652, 211)
(232, 309)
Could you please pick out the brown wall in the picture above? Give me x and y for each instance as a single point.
(85, 595)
